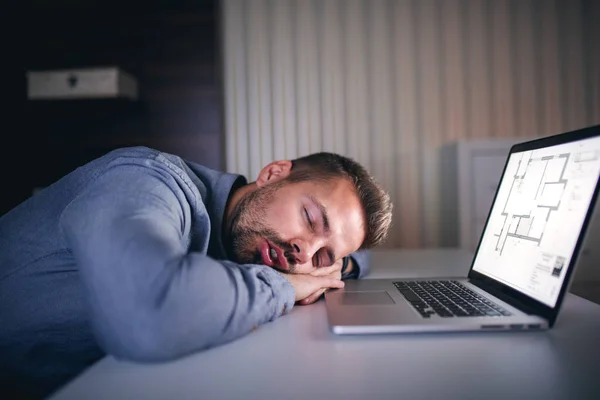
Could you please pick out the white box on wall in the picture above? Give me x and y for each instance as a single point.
(82, 83)
(470, 173)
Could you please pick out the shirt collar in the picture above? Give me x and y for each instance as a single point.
(222, 189)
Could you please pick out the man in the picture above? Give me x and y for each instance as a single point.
(147, 257)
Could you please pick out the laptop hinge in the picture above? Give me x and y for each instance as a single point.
(503, 296)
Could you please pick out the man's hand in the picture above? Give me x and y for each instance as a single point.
(334, 272)
(309, 287)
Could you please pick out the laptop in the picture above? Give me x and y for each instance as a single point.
(525, 258)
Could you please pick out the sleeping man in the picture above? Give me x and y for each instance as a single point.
(147, 257)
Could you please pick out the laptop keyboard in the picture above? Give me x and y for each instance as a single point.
(447, 298)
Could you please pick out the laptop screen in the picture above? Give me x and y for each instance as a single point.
(537, 216)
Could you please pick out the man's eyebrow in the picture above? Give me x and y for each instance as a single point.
(323, 210)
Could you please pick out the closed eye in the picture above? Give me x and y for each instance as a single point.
(310, 223)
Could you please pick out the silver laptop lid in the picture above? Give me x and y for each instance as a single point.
(538, 217)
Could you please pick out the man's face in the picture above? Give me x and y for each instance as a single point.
(297, 227)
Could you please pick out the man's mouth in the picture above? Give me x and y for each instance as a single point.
(273, 256)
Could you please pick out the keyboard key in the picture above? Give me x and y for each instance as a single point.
(410, 295)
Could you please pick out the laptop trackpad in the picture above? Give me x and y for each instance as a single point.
(366, 298)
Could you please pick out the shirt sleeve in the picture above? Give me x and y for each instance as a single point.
(362, 261)
(150, 298)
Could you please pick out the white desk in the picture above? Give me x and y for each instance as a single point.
(296, 357)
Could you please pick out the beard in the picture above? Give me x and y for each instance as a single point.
(247, 228)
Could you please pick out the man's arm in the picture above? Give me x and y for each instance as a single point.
(149, 298)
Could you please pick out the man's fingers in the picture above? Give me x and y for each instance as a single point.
(305, 285)
(336, 283)
(326, 284)
(327, 270)
(313, 297)
(331, 282)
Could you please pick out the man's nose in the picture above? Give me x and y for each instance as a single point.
(303, 250)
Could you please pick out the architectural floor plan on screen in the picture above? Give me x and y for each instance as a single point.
(538, 212)
(536, 192)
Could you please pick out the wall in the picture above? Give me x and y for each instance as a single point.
(389, 82)
(172, 48)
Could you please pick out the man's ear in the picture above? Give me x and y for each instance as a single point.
(274, 172)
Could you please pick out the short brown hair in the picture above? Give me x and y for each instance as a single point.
(375, 201)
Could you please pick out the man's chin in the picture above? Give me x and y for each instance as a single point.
(247, 259)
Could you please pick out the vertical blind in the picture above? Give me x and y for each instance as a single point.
(388, 82)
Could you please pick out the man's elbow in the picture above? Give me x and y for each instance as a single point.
(135, 344)
(157, 341)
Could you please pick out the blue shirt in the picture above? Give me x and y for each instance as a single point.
(124, 256)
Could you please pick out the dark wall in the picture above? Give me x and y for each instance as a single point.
(171, 47)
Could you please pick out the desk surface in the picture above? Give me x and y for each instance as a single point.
(296, 357)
